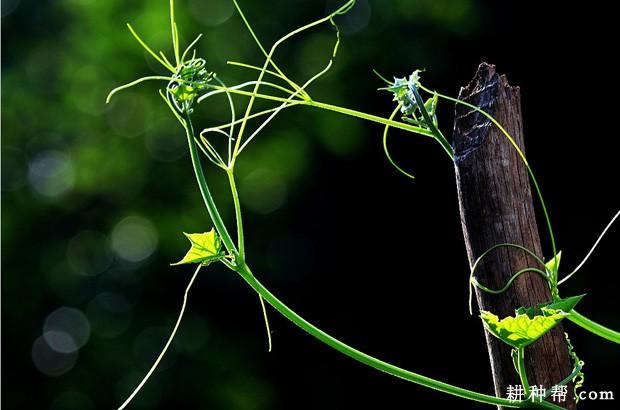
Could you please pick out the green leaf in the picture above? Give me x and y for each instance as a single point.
(530, 311)
(206, 248)
(554, 263)
(566, 304)
(414, 78)
(521, 330)
(431, 105)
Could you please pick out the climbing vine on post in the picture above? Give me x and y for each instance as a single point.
(188, 82)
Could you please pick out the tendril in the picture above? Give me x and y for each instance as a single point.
(167, 345)
(487, 252)
(385, 147)
(591, 249)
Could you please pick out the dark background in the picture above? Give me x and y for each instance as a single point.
(95, 198)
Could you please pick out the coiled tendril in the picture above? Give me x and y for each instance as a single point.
(190, 79)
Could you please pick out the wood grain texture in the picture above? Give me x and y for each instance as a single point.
(496, 206)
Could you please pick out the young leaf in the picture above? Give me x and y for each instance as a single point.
(554, 263)
(565, 305)
(206, 248)
(521, 330)
(431, 105)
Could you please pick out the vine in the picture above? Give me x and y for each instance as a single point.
(190, 83)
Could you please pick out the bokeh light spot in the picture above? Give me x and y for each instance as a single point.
(50, 362)
(66, 329)
(61, 342)
(51, 173)
(134, 239)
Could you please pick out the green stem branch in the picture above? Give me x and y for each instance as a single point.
(592, 326)
(522, 373)
(333, 108)
(235, 196)
(431, 125)
(204, 187)
(245, 272)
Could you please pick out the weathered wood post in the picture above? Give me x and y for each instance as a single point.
(496, 207)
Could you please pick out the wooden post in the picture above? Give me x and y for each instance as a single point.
(496, 207)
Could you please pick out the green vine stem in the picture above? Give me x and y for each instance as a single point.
(578, 319)
(591, 326)
(238, 217)
(245, 272)
(241, 243)
(236, 258)
(204, 188)
(328, 107)
(431, 125)
(522, 372)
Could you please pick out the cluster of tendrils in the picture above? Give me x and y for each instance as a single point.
(415, 111)
(190, 79)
